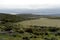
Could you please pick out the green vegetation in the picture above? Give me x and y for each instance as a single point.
(22, 27)
(33, 33)
(42, 22)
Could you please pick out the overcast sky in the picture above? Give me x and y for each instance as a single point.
(30, 4)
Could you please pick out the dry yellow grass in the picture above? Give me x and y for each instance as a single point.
(42, 22)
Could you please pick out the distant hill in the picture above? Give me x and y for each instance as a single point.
(18, 17)
(29, 15)
(54, 14)
(34, 11)
(22, 17)
(7, 17)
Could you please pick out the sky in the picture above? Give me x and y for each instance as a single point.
(29, 4)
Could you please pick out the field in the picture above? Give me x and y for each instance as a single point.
(29, 27)
(42, 22)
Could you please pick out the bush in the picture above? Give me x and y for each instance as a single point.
(36, 33)
(46, 39)
(29, 30)
(53, 29)
(21, 31)
(53, 38)
(57, 34)
(26, 38)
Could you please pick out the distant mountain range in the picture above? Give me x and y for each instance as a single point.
(52, 12)
(32, 11)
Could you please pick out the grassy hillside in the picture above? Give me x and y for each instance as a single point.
(8, 17)
(16, 18)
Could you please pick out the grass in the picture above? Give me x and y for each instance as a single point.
(7, 37)
(38, 29)
(41, 22)
(34, 33)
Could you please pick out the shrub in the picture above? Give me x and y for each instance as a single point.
(53, 29)
(26, 38)
(21, 31)
(46, 33)
(36, 33)
(33, 37)
(53, 38)
(46, 38)
(57, 34)
(29, 30)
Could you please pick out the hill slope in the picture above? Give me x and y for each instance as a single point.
(17, 18)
